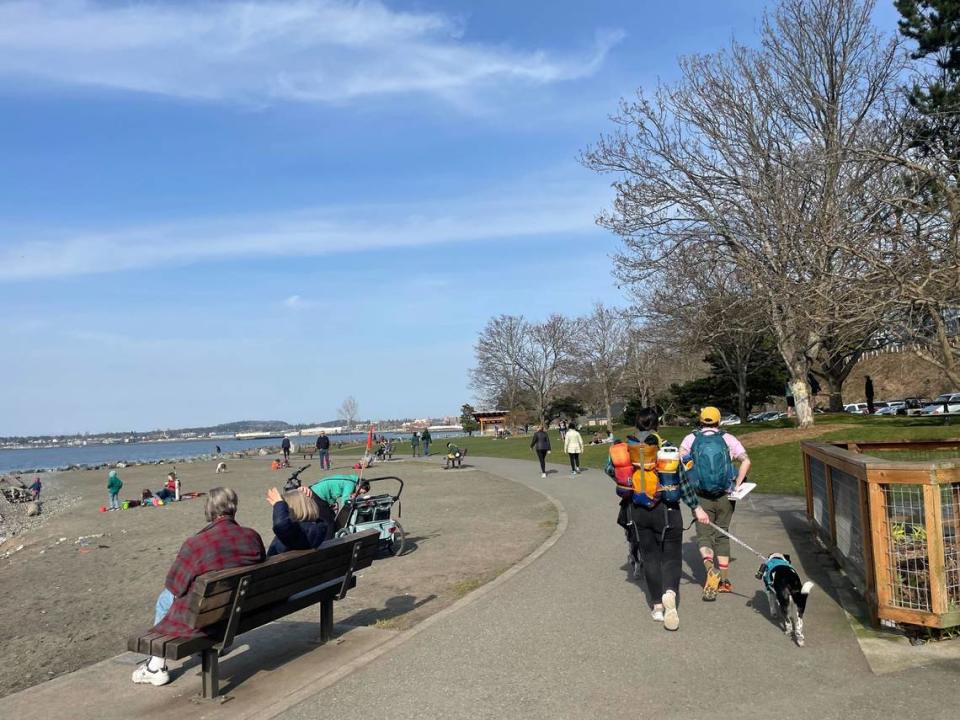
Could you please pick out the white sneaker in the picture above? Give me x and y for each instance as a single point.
(657, 614)
(144, 676)
(543, 475)
(671, 620)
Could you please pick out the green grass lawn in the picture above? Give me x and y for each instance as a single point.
(777, 469)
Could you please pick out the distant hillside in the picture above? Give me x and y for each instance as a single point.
(244, 426)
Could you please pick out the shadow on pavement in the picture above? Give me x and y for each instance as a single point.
(394, 607)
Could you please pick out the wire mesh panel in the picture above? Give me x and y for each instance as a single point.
(906, 552)
(846, 509)
(818, 486)
(950, 513)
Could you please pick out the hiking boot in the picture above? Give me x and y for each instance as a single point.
(671, 620)
(725, 586)
(711, 585)
(143, 675)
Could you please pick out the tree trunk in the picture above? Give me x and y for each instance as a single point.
(606, 405)
(742, 408)
(835, 387)
(801, 394)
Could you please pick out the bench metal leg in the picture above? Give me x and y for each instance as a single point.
(210, 664)
(326, 620)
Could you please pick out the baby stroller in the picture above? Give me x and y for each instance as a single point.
(374, 512)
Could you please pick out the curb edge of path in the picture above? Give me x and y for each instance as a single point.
(403, 636)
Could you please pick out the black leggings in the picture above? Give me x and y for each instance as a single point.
(542, 455)
(661, 559)
(574, 461)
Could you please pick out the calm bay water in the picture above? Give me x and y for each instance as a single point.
(62, 457)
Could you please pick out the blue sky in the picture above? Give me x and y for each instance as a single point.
(214, 211)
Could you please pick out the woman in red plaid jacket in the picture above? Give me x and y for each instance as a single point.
(221, 544)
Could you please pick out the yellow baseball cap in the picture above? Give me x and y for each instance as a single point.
(710, 416)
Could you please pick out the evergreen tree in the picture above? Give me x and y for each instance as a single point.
(935, 26)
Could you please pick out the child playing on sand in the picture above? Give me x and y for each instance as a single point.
(114, 483)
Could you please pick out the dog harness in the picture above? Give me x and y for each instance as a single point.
(772, 564)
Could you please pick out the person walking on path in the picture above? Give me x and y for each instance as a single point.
(415, 443)
(868, 392)
(713, 452)
(323, 450)
(573, 446)
(659, 534)
(114, 483)
(426, 439)
(541, 444)
(285, 446)
(563, 428)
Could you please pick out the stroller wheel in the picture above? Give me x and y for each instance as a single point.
(398, 540)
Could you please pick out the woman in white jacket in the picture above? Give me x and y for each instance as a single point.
(573, 446)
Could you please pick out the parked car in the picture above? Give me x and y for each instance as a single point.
(755, 417)
(913, 406)
(730, 419)
(950, 400)
(856, 408)
(888, 410)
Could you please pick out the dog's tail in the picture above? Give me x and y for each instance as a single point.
(800, 598)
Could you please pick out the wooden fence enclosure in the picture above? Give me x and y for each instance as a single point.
(889, 513)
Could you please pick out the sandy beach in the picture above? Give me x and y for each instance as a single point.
(84, 580)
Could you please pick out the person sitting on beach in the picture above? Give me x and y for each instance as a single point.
(301, 521)
(171, 489)
(220, 545)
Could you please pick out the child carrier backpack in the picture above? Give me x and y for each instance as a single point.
(712, 469)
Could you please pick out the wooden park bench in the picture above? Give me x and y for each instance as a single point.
(227, 603)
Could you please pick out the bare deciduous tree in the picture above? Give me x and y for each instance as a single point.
(756, 155)
(603, 347)
(348, 411)
(517, 356)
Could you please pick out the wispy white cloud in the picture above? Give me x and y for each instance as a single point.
(265, 50)
(515, 212)
(296, 302)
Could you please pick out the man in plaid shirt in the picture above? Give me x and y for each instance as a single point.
(220, 545)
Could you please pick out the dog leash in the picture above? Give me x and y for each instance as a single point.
(739, 542)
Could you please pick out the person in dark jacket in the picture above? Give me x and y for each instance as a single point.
(426, 439)
(300, 521)
(541, 443)
(323, 449)
(285, 446)
(220, 545)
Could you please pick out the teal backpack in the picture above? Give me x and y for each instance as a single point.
(712, 467)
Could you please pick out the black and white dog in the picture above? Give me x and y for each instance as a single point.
(786, 593)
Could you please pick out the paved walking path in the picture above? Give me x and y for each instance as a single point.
(561, 636)
(569, 636)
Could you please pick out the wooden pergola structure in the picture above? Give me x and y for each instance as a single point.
(491, 417)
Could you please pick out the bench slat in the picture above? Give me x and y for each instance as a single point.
(333, 548)
(321, 566)
(275, 591)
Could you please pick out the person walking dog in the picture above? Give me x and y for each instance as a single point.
(713, 452)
